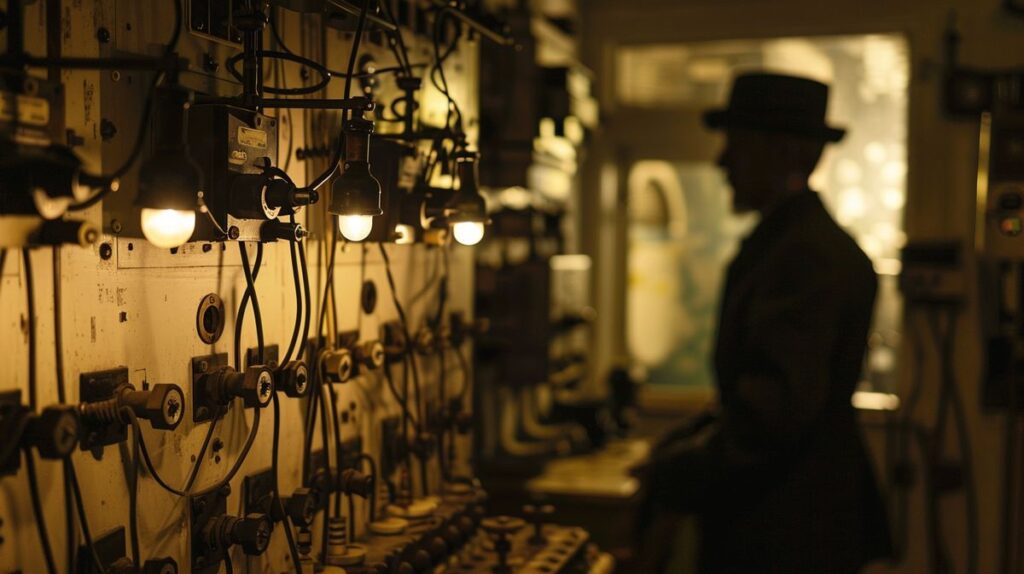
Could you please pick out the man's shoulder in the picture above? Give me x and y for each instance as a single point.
(818, 240)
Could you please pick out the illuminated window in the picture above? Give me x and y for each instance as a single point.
(679, 260)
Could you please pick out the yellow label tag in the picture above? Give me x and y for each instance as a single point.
(237, 157)
(31, 110)
(252, 138)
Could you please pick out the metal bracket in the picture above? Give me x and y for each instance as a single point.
(206, 559)
(271, 356)
(110, 548)
(203, 407)
(11, 413)
(258, 494)
(96, 387)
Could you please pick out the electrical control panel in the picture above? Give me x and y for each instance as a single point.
(1004, 201)
(240, 332)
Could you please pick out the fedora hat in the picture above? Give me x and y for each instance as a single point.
(776, 103)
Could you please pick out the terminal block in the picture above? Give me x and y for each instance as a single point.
(214, 531)
(53, 432)
(104, 395)
(215, 385)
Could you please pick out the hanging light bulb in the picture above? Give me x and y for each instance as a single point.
(170, 179)
(466, 210)
(355, 194)
(468, 233)
(355, 227)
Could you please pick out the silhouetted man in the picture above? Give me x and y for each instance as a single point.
(780, 478)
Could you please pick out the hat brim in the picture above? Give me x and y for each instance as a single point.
(723, 119)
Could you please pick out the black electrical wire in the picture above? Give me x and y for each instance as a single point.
(937, 559)
(250, 280)
(464, 367)
(213, 487)
(334, 73)
(250, 276)
(33, 479)
(229, 568)
(275, 55)
(58, 347)
(142, 135)
(37, 509)
(336, 157)
(362, 283)
(333, 284)
(351, 518)
(3, 259)
(438, 68)
(320, 337)
(407, 360)
(239, 461)
(30, 305)
(311, 406)
(405, 423)
(398, 47)
(442, 385)
(947, 343)
(133, 491)
(403, 320)
(193, 474)
(82, 518)
(325, 439)
(307, 307)
(293, 253)
(401, 400)
(339, 452)
(373, 475)
(904, 428)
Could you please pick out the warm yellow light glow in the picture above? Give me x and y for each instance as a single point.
(468, 232)
(355, 227)
(168, 228)
(404, 234)
(871, 401)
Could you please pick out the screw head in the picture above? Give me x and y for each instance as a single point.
(301, 379)
(266, 387)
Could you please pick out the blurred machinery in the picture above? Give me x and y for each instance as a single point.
(299, 174)
(936, 282)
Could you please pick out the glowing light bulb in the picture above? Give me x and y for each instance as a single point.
(468, 232)
(355, 227)
(168, 228)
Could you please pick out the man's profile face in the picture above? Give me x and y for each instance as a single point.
(762, 165)
(747, 160)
